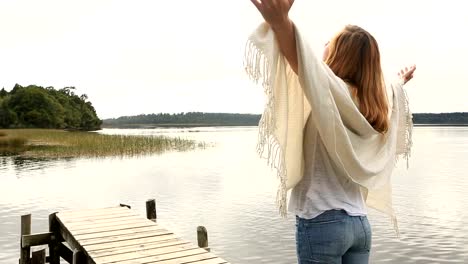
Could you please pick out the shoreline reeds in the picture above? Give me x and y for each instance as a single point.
(11, 145)
(62, 144)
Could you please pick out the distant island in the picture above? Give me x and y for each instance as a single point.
(192, 119)
(38, 107)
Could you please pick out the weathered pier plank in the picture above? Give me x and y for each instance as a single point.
(112, 235)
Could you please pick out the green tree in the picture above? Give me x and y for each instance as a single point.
(35, 106)
(3, 93)
(8, 117)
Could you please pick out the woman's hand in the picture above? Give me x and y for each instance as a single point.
(407, 74)
(275, 12)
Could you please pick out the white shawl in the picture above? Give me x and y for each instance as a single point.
(355, 149)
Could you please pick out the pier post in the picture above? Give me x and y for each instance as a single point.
(39, 257)
(202, 237)
(151, 210)
(78, 257)
(25, 230)
(54, 255)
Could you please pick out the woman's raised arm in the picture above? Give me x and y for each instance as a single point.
(275, 13)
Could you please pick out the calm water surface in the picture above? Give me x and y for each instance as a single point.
(228, 189)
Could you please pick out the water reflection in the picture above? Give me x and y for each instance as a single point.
(20, 165)
(228, 189)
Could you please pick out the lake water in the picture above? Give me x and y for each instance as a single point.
(231, 192)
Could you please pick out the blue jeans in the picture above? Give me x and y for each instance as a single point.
(333, 237)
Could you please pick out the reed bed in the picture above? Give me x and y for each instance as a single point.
(10, 145)
(61, 144)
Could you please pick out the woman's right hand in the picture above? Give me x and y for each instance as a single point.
(407, 74)
(275, 12)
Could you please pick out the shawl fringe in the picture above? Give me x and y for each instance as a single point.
(408, 130)
(258, 68)
(408, 143)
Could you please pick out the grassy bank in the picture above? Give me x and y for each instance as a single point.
(59, 143)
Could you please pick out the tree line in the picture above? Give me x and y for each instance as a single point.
(198, 118)
(190, 118)
(458, 118)
(38, 107)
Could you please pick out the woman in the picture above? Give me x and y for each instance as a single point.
(330, 198)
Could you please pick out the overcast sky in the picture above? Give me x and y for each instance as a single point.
(134, 57)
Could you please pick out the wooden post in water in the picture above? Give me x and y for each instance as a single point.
(151, 210)
(25, 230)
(39, 257)
(202, 237)
(54, 255)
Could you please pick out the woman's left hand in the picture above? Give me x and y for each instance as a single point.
(407, 74)
(275, 12)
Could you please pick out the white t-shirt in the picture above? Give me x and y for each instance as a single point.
(321, 190)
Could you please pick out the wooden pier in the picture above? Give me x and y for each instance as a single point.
(111, 235)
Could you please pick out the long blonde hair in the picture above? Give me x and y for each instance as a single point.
(354, 57)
